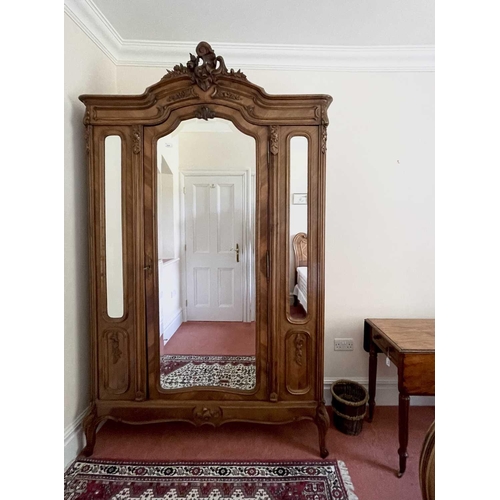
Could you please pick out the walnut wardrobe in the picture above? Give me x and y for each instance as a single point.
(171, 231)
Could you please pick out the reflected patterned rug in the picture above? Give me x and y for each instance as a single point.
(185, 370)
(109, 480)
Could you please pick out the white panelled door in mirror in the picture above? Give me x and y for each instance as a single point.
(205, 213)
(113, 218)
(298, 225)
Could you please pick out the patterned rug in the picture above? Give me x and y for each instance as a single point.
(105, 480)
(184, 370)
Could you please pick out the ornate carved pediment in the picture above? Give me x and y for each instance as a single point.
(204, 68)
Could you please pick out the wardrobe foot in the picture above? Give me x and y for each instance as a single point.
(323, 422)
(90, 423)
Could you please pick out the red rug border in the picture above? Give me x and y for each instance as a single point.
(206, 462)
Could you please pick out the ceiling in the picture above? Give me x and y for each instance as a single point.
(291, 22)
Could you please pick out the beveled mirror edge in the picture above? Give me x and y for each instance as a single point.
(246, 202)
(288, 250)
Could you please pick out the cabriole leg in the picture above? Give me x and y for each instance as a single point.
(90, 424)
(323, 423)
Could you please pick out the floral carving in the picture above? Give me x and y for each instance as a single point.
(87, 138)
(116, 353)
(207, 413)
(204, 68)
(324, 125)
(274, 140)
(204, 113)
(86, 122)
(226, 94)
(250, 110)
(183, 94)
(299, 342)
(136, 134)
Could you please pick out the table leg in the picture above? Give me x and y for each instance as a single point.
(372, 380)
(404, 407)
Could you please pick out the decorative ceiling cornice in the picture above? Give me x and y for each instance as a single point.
(249, 55)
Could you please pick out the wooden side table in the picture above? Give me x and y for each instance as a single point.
(410, 345)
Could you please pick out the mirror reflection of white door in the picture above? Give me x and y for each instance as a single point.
(214, 217)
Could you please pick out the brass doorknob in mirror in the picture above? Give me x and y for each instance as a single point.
(237, 250)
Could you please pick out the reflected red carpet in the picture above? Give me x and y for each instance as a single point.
(229, 338)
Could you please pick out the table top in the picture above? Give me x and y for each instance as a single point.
(407, 334)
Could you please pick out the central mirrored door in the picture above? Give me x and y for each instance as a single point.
(206, 256)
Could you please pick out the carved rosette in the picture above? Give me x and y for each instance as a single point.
(204, 113)
(299, 342)
(274, 140)
(136, 137)
(204, 68)
(207, 414)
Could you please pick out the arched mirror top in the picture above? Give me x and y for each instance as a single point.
(205, 80)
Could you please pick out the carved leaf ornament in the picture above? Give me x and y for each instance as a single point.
(204, 68)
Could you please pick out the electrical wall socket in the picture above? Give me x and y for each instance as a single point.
(344, 344)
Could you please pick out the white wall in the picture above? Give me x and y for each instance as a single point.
(217, 151)
(169, 239)
(86, 70)
(380, 197)
(168, 197)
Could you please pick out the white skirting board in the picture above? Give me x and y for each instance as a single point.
(386, 394)
(172, 326)
(74, 439)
